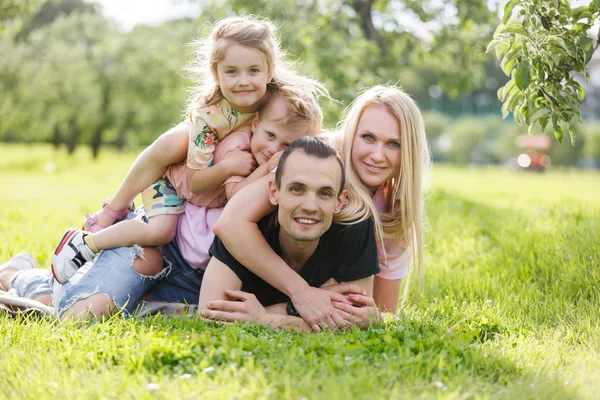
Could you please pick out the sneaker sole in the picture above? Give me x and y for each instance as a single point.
(62, 243)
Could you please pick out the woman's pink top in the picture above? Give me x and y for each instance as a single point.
(394, 265)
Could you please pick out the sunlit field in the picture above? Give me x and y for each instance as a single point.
(510, 305)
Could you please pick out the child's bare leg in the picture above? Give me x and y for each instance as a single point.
(100, 305)
(159, 231)
(6, 277)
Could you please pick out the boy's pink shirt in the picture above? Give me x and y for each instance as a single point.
(194, 231)
(396, 255)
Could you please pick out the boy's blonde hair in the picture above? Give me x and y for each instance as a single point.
(251, 32)
(404, 194)
(300, 96)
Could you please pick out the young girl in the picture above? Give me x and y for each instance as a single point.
(240, 64)
(386, 159)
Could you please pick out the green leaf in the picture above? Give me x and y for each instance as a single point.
(544, 122)
(558, 133)
(567, 7)
(507, 66)
(597, 3)
(572, 134)
(508, 9)
(560, 42)
(501, 49)
(578, 12)
(512, 28)
(587, 44)
(493, 44)
(523, 75)
(579, 90)
(505, 90)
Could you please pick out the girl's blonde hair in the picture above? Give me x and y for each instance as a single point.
(404, 194)
(249, 31)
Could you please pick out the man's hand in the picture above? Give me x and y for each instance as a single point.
(315, 306)
(363, 312)
(247, 310)
(241, 162)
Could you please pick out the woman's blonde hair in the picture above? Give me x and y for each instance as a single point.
(248, 31)
(404, 194)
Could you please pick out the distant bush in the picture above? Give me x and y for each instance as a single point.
(491, 140)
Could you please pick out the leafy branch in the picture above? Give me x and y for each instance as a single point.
(540, 49)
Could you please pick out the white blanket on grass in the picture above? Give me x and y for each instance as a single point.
(12, 304)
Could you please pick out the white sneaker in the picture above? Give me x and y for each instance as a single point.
(20, 261)
(71, 254)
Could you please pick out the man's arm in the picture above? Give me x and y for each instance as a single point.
(220, 285)
(217, 278)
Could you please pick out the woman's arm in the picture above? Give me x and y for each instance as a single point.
(386, 293)
(169, 148)
(237, 228)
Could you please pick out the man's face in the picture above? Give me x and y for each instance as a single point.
(308, 196)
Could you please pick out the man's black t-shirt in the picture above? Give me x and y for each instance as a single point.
(345, 253)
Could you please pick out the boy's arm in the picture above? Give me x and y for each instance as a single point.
(151, 164)
(237, 183)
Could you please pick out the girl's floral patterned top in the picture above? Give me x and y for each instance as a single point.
(209, 124)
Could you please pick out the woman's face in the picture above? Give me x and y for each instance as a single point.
(376, 149)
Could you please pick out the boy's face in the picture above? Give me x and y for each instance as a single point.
(269, 135)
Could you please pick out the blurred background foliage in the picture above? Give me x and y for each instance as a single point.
(71, 77)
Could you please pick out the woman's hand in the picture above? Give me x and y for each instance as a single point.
(363, 312)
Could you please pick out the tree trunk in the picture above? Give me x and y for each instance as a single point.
(364, 8)
(72, 136)
(96, 141)
(56, 137)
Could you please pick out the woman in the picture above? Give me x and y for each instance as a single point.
(386, 159)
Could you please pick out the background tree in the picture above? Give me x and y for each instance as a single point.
(542, 45)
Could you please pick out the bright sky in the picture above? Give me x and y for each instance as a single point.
(128, 13)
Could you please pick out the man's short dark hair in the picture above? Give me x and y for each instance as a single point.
(314, 147)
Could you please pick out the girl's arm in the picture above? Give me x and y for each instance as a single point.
(169, 148)
(237, 228)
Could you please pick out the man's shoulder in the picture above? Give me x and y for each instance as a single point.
(352, 229)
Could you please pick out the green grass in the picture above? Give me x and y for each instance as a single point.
(514, 256)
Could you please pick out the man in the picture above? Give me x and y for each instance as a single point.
(308, 189)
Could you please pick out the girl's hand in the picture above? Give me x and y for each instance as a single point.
(363, 313)
(241, 162)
